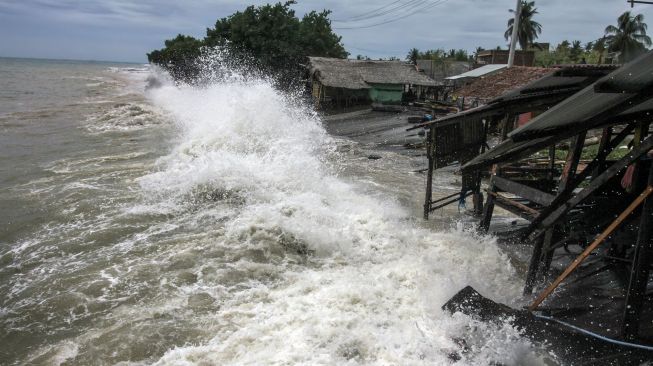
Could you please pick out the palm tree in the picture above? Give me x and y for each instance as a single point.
(413, 55)
(528, 28)
(628, 37)
(575, 50)
(599, 47)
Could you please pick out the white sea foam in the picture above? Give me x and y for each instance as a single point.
(375, 283)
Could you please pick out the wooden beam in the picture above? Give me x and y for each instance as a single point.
(571, 163)
(514, 203)
(607, 232)
(522, 190)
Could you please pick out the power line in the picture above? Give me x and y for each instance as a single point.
(366, 14)
(430, 6)
(408, 5)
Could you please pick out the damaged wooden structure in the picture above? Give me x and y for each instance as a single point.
(604, 197)
(458, 138)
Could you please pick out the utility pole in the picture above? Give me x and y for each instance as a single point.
(513, 38)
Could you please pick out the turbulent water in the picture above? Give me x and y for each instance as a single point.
(217, 224)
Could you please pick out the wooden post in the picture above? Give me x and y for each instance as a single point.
(542, 245)
(571, 163)
(488, 208)
(603, 150)
(552, 162)
(640, 269)
(429, 174)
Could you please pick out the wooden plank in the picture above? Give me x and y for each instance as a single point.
(571, 163)
(522, 190)
(607, 232)
(514, 203)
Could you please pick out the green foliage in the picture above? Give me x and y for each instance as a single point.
(437, 55)
(178, 55)
(569, 53)
(528, 28)
(413, 55)
(271, 35)
(628, 37)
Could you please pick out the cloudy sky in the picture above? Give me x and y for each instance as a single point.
(124, 30)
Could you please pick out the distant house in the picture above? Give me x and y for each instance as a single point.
(488, 57)
(344, 82)
(440, 69)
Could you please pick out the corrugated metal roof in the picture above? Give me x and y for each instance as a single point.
(551, 86)
(358, 74)
(483, 70)
(632, 78)
(510, 149)
(580, 110)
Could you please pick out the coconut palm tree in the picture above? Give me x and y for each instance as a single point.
(599, 47)
(628, 37)
(528, 28)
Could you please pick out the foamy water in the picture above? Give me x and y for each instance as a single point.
(218, 227)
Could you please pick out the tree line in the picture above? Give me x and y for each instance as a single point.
(627, 40)
(271, 36)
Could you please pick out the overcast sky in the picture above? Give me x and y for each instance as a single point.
(124, 30)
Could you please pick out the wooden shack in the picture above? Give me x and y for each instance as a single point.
(344, 82)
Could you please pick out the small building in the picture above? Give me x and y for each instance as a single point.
(344, 82)
(522, 58)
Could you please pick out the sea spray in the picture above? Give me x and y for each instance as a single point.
(219, 223)
(374, 281)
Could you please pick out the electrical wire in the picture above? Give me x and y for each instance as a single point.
(430, 6)
(592, 334)
(373, 12)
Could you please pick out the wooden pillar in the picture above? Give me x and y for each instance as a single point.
(429, 174)
(639, 270)
(542, 253)
(604, 150)
(488, 208)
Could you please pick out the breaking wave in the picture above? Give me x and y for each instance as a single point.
(332, 273)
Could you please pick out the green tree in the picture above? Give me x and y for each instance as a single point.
(413, 55)
(271, 36)
(528, 28)
(178, 56)
(575, 51)
(599, 47)
(628, 37)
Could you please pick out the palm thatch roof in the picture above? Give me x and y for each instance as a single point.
(359, 74)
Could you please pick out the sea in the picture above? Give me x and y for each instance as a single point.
(148, 222)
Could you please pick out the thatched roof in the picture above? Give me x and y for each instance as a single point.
(359, 74)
